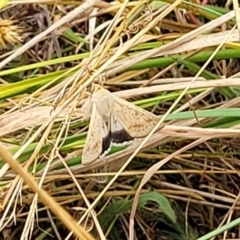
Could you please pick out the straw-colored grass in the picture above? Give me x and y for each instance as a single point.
(178, 59)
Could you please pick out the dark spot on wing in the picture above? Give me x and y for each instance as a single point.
(120, 136)
(106, 142)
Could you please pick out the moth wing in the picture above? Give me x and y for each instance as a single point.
(87, 108)
(119, 136)
(135, 120)
(97, 138)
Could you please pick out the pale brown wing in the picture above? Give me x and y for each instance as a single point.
(135, 120)
(87, 109)
(94, 142)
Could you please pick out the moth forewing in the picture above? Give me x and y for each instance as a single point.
(135, 120)
(87, 108)
(94, 141)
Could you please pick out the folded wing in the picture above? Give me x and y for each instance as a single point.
(135, 120)
(98, 140)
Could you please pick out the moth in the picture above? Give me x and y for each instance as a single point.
(114, 121)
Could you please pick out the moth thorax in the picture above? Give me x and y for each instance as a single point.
(105, 112)
(104, 107)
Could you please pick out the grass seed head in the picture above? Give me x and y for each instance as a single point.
(9, 33)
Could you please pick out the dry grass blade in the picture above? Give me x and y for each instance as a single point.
(161, 137)
(119, 66)
(155, 167)
(60, 212)
(80, 10)
(37, 115)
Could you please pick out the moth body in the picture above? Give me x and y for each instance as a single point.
(114, 121)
